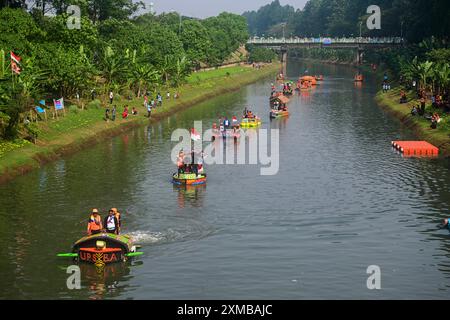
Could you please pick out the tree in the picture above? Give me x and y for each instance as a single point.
(113, 66)
(17, 31)
(196, 41)
(262, 21)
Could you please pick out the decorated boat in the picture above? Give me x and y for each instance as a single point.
(278, 107)
(307, 81)
(226, 134)
(189, 179)
(192, 174)
(275, 114)
(104, 248)
(251, 122)
(278, 101)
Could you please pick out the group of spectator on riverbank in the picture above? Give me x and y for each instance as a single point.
(438, 102)
(149, 105)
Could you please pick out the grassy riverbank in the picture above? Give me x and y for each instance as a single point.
(81, 128)
(390, 102)
(440, 137)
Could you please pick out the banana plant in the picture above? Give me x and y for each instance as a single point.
(114, 66)
(441, 76)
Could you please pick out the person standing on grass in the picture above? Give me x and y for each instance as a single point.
(168, 95)
(107, 114)
(160, 100)
(111, 97)
(113, 114)
(422, 106)
(149, 110)
(152, 103)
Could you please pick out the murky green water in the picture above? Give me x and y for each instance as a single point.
(341, 201)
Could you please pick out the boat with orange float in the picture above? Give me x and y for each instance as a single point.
(308, 80)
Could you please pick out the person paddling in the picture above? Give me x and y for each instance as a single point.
(95, 225)
(111, 223)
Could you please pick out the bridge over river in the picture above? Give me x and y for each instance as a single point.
(360, 44)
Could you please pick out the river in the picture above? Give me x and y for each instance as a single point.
(342, 201)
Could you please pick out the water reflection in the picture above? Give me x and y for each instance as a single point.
(103, 282)
(190, 195)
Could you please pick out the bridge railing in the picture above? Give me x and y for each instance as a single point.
(327, 41)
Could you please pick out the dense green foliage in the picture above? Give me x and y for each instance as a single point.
(113, 50)
(418, 19)
(258, 54)
(269, 19)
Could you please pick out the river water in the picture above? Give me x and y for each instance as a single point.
(342, 201)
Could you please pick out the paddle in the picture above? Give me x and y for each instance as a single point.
(67, 255)
(134, 254)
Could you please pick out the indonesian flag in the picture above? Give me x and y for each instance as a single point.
(15, 68)
(195, 135)
(15, 60)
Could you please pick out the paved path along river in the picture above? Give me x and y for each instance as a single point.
(342, 200)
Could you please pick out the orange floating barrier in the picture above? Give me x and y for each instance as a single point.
(416, 148)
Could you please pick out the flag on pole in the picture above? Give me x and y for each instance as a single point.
(15, 58)
(195, 135)
(15, 61)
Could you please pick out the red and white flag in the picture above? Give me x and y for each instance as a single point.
(195, 135)
(15, 60)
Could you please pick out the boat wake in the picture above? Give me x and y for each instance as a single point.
(168, 236)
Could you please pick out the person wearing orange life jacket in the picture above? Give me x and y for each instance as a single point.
(118, 217)
(95, 225)
(111, 223)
